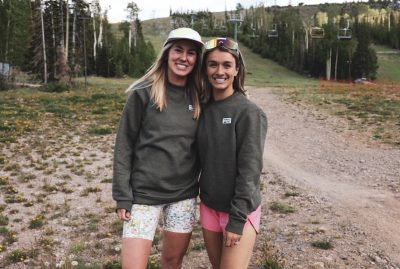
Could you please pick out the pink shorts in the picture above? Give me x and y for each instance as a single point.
(216, 221)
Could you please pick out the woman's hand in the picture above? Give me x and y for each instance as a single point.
(231, 239)
(123, 214)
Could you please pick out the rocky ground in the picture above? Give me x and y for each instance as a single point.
(324, 186)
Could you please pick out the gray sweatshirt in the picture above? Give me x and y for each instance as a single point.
(155, 158)
(231, 138)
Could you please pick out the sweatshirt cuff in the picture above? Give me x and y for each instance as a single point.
(127, 205)
(235, 226)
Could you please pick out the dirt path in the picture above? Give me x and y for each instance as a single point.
(345, 190)
(343, 177)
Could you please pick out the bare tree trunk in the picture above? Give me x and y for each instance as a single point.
(67, 32)
(62, 24)
(63, 67)
(306, 39)
(336, 61)
(100, 39)
(44, 45)
(54, 45)
(94, 30)
(130, 38)
(135, 33)
(292, 42)
(8, 33)
(73, 38)
(328, 65)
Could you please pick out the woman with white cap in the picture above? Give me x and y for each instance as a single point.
(155, 162)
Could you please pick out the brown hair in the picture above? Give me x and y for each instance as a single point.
(238, 82)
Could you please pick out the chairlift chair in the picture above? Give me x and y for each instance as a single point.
(273, 33)
(317, 32)
(253, 35)
(344, 34)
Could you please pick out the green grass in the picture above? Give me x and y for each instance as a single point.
(100, 103)
(322, 244)
(389, 67)
(267, 73)
(373, 108)
(389, 64)
(281, 207)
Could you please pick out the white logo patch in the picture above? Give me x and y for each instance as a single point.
(226, 120)
(190, 107)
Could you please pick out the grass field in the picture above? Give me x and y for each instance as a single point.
(389, 64)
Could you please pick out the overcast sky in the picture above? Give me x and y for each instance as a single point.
(150, 9)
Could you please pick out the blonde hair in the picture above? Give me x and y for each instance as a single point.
(156, 78)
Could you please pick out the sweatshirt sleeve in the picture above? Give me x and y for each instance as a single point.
(127, 134)
(251, 131)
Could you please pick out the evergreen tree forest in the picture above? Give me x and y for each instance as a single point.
(57, 40)
(332, 41)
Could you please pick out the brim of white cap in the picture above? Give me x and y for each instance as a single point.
(198, 43)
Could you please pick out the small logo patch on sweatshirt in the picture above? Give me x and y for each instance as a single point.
(226, 120)
(190, 107)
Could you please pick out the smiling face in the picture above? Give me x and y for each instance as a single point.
(221, 72)
(182, 58)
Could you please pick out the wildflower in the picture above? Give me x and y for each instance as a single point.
(46, 264)
(71, 256)
(74, 263)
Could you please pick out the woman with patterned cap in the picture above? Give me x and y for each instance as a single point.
(230, 139)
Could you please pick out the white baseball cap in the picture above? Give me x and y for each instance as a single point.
(184, 33)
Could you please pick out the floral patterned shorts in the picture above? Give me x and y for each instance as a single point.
(178, 217)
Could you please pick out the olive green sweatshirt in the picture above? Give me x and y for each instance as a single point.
(231, 138)
(155, 160)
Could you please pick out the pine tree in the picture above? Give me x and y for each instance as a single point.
(365, 61)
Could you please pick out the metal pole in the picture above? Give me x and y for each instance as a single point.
(235, 32)
(235, 21)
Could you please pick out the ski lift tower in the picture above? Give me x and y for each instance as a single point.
(236, 19)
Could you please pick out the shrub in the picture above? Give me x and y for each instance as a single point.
(322, 244)
(3, 220)
(55, 87)
(112, 265)
(282, 207)
(36, 222)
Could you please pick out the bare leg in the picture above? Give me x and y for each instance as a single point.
(173, 249)
(238, 257)
(135, 253)
(213, 242)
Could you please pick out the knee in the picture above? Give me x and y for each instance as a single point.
(171, 261)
